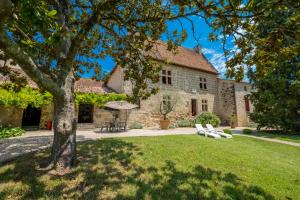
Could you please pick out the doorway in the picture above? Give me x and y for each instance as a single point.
(85, 113)
(194, 107)
(31, 116)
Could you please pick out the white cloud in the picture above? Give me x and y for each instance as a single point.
(217, 59)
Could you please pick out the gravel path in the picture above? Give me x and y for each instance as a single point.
(36, 140)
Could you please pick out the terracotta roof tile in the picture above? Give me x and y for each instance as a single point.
(86, 85)
(184, 57)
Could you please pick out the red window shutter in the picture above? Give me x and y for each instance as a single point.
(247, 105)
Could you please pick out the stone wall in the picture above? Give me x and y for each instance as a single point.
(226, 101)
(11, 116)
(184, 88)
(231, 101)
(101, 115)
(116, 80)
(241, 90)
(46, 115)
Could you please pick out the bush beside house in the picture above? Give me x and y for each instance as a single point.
(207, 118)
(184, 123)
(136, 125)
(6, 132)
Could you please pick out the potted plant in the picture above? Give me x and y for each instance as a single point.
(233, 121)
(165, 108)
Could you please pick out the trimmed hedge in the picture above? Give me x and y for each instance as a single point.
(247, 131)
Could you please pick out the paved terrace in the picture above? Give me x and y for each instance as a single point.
(37, 140)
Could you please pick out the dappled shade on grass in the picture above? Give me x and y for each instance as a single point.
(111, 169)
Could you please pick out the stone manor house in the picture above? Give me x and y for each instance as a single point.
(186, 78)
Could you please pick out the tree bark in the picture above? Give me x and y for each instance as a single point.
(63, 155)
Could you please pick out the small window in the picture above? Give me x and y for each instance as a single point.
(166, 77)
(203, 84)
(204, 105)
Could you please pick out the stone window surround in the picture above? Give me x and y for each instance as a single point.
(204, 105)
(203, 83)
(166, 77)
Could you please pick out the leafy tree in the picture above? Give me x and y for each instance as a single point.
(268, 49)
(55, 41)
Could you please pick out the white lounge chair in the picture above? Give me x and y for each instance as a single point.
(202, 131)
(216, 131)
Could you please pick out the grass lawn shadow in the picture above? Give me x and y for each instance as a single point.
(111, 169)
(280, 135)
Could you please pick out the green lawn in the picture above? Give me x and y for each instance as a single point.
(280, 136)
(165, 167)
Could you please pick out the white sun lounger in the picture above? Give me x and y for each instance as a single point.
(219, 132)
(202, 131)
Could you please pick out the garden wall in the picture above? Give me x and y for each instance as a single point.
(11, 116)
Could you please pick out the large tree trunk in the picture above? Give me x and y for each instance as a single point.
(63, 155)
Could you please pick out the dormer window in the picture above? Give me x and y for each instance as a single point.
(203, 84)
(166, 77)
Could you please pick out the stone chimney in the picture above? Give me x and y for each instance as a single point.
(197, 49)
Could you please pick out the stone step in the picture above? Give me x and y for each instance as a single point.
(30, 128)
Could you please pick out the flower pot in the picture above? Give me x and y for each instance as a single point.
(164, 123)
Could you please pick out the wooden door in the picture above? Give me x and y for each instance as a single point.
(194, 107)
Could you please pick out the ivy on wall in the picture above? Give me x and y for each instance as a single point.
(28, 96)
(98, 99)
(24, 97)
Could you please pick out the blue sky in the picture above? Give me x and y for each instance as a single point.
(212, 50)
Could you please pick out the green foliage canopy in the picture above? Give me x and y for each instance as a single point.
(98, 99)
(50, 39)
(24, 97)
(267, 49)
(37, 98)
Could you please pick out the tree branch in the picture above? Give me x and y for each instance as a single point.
(27, 64)
(14, 52)
(86, 27)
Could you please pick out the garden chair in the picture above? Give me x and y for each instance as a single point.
(219, 132)
(202, 131)
(122, 126)
(105, 125)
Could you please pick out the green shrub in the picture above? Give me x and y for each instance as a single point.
(247, 131)
(174, 125)
(207, 118)
(227, 131)
(184, 123)
(7, 132)
(136, 125)
(252, 124)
